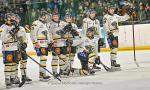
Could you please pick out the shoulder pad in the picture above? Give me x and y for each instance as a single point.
(35, 23)
(73, 24)
(1, 29)
(62, 22)
(85, 20)
(22, 28)
(49, 23)
(97, 20)
(105, 16)
(116, 15)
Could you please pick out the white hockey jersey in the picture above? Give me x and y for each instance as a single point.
(88, 23)
(54, 28)
(111, 22)
(40, 34)
(8, 41)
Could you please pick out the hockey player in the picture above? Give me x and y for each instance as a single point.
(41, 39)
(22, 41)
(71, 34)
(92, 22)
(59, 49)
(87, 53)
(111, 25)
(10, 33)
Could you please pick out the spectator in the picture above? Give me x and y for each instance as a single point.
(141, 13)
(54, 5)
(2, 15)
(22, 16)
(29, 8)
(99, 10)
(147, 9)
(33, 15)
(127, 3)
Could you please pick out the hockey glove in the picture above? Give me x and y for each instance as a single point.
(69, 42)
(23, 46)
(97, 60)
(50, 46)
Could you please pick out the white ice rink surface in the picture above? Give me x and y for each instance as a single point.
(130, 78)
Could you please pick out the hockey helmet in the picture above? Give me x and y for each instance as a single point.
(83, 56)
(92, 11)
(90, 32)
(9, 16)
(43, 13)
(68, 15)
(110, 7)
(55, 13)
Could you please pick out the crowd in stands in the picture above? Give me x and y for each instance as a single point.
(28, 9)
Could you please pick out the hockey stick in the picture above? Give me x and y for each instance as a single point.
(45, 68)
(69, 46)
(105, 67)
(57, 55)
(134, 42)
(23, 81)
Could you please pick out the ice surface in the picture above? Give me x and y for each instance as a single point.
(130, 78)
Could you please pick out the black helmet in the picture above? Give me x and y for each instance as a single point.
(110, 7)
(9, 15)
(43, 13)
(68, 15)
(90, 30)
(55, 13)
(92, 11)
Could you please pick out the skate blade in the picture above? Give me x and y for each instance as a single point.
(113, 69)
(91, 74)
(9, 87)
(14, 85)
(97, 70)
(65, 76)
(44, 80)
(28, 82)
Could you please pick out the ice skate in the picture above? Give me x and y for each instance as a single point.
(26, 79)
(15, 81)
(8, 83)
(115, 66)
(44, 77)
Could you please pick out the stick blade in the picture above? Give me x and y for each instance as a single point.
(137, 64)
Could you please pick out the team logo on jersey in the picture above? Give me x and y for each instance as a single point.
(114, 42)
(43, 50)
(57, 51)
(10, 57)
